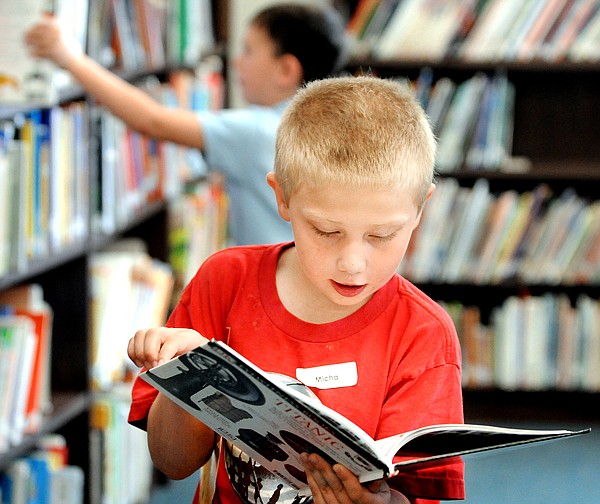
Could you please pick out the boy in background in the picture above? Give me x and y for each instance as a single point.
(353, 170)
(284, 46)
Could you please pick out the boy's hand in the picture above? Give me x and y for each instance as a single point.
(46, 40)
(151, 347)
(338, 485)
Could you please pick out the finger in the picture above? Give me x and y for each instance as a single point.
(329, 485)
(356, 491)
(131, 353)
(152, 346)
(145, 346)
(178, 341)
(169, 348)
(313, 484)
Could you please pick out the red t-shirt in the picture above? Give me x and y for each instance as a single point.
(404, 345)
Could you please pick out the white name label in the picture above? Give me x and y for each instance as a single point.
(330, 376)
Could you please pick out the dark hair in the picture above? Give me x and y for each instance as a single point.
(316, 36)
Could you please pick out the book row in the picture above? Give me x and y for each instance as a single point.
(120, 464)
(472, 235)
(131, 291)
(125, 35)
(121, 470)
(44, 183)
(477, 30)
(531, 343)
(44, 476)
(144, 34)
(197, 227)
(62, 192)
(473, 120)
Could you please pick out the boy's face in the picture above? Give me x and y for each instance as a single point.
(349, 242)
(258, 67)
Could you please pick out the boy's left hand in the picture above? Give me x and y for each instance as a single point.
(338, 485)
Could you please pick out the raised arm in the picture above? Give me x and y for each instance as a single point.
(135, 107)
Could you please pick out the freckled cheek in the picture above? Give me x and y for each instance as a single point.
(318, 264)
(383, 267)
(323, 266)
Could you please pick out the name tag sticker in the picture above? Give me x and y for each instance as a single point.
(330, 376)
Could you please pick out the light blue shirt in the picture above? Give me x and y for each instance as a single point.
(240, 143)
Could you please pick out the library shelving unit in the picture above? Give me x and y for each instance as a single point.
(63, 272)
(556, 105)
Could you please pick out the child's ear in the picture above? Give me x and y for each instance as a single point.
(282, 206)
(292, 72)
(429, 193)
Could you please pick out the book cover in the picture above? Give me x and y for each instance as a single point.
(19, 334)
(499, 219)
(15, 482)
(360, 17)
(424, 260)
(490, 29)
(470, 224)
(8, 359)
(553, 33)
(576, 21)
(368, 35)
(274, 420)
(16, 155)
(460, 121)
(67, 485)
(4, 206)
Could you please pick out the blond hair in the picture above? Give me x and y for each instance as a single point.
(363, 132)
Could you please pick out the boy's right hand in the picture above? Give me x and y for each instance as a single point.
(47, 40)
(151, 347)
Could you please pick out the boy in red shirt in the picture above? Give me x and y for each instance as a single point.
(353, 170)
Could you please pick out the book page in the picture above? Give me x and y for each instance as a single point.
(265, 418)
(449, 440)
(23, 79)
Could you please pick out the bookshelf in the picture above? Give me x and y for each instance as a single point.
(554, 132)
(60, 259)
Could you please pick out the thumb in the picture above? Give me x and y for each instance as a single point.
(377, 486)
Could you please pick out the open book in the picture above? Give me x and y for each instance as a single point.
(274, 419)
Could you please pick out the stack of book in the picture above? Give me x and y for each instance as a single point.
(25, 346)
(475, 236)
(477, 30)
(44, 183)
(130, 291)
(531, 343)
(120, 465)
(44, 476)
(145, 35)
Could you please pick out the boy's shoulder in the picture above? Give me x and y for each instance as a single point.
(419, 300)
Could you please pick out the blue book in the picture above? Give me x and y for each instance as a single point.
(40, 479)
